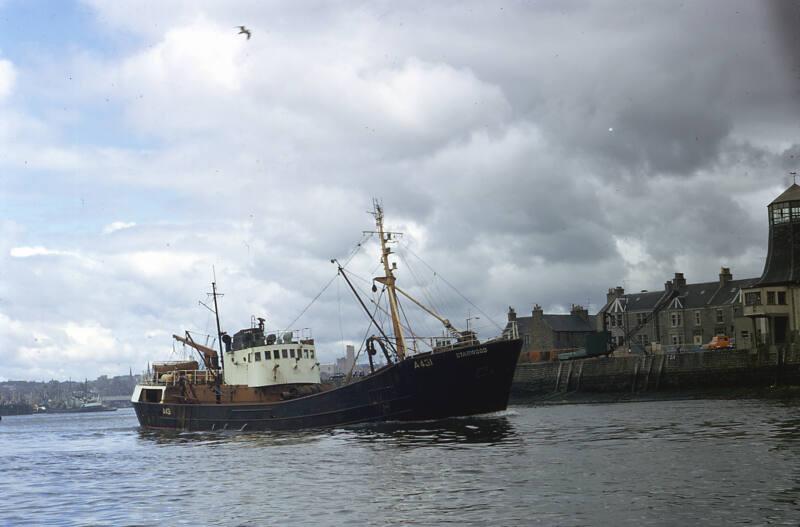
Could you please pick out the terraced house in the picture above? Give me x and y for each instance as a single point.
(682, 315)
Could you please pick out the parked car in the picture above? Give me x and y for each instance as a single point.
(719, 342)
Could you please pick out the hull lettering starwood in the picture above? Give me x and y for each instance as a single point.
(470, 353)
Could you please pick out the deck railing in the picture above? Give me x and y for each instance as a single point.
(174, 377)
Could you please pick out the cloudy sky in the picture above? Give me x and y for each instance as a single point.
(535, 151)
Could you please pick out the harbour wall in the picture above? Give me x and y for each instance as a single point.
(660, 372)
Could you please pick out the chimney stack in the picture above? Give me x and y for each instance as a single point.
(579, 310)
(512, 314)
(725, 276)
(617, 292)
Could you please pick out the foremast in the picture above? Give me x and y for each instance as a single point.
(389, 281)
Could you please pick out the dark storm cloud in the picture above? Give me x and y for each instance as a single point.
(786, 20)
(790, 158)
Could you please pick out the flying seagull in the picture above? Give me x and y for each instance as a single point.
(244, 30)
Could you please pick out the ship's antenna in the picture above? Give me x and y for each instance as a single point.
(389, 280)
(219, 333)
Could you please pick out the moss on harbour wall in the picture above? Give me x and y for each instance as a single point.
(662, 374)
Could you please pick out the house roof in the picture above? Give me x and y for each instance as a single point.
(570, 323)
(642, 301)
(790, 194)
(704, 294)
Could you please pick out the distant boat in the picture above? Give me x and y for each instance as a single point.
(92, 405)
(271, 381)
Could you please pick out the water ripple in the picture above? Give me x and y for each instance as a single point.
(657, 463)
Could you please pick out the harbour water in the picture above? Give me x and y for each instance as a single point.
(710, 462)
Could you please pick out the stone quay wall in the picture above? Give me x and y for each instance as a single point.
(660, 372)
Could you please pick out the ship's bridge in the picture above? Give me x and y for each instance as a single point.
(256, 357)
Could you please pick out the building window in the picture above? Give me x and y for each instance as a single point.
(676, 320)
(780, 215)
(257, 356)
(781, 298)
(753, 298)
(770, 298)
(720, 317)
(698, 319)
(642, 339)
(612, 320)
(526, 339)
(795, 211)
(619, 320)
(745, 335)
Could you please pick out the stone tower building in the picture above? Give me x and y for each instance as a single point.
(772, 303)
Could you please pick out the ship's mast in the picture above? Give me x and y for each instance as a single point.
(219, 330)
(389, 281)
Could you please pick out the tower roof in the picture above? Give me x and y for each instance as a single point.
(790, 194)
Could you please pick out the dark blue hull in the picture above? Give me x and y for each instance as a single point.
(463, 381)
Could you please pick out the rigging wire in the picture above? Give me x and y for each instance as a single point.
(424, 289)
(452, 287)
(366, 236)
(339, 305)
(363, 340)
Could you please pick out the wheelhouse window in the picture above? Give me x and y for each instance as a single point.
(257, 356)
(305, 354)
(795, 211)
(311, 353)
(285, 354)
(276, 354)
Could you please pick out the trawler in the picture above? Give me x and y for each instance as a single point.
(270, 380)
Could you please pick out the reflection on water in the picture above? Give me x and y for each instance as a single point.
(467, 430)
(488, 430)
(657, 463)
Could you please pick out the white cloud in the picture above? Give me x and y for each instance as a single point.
(27, 252)
(8, 77)
(118, 226)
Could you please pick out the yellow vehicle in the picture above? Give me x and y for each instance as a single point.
(719, 342)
